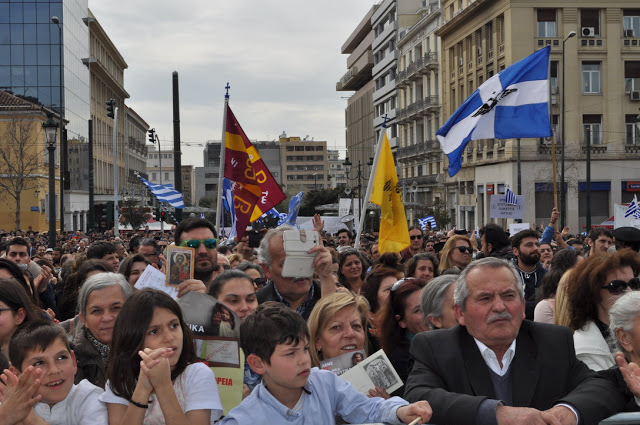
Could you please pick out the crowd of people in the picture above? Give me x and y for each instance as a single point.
(539, 327)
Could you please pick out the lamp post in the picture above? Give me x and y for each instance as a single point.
(563, 213)
(372, 214)
(359, 176)
(50, 128)
(63, 144)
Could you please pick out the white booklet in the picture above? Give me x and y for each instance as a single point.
(155, 279)
(341, 364)
(375, 370)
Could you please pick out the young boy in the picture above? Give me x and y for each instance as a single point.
(40, 355)
(275, 340)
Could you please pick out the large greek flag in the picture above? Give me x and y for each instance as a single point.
(511, 104)
(165, 193)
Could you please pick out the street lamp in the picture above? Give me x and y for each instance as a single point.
(563, 213)
(50, 128)
(359, 176)
(372, 214)
(63, 143)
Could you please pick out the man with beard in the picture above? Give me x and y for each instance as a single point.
(199, 234)
(525, 248)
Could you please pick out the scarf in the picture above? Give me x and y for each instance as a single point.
(103, 349)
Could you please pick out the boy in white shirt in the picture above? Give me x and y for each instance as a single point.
(45, 393)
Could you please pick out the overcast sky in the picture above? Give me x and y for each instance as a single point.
(281, 58)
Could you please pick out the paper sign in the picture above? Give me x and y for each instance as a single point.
(500, 208)
(518, 227)
(155, 279)
(341, 364)
(376, 370)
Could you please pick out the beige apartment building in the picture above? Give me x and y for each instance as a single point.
(420, 110)
(601, 97)
(305, 164)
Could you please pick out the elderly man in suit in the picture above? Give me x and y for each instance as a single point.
(496, 368)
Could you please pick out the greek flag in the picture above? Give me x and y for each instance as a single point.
(227, 202)
(512, 104)
(428, 220)
(633, 210)
(283, 218)
(294, 207)
(165, 193)
(511, 197)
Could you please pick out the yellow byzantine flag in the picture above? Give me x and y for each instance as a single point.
(394, 232)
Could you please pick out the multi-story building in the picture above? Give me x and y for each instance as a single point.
(419, 113)
(136, 129)
(304, 164)
(387, 19)
(600, 100)
(208, 175)
(24, 165)
(360, 136)
(188, 184)
(31, 63)
(337, 172)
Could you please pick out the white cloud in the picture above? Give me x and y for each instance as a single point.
(282, 59)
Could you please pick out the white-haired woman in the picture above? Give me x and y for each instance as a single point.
(624, 323)
(436, 302)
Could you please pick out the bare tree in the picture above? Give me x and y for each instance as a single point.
(21, 159)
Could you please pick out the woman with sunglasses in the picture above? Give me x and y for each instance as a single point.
(457, 252)
(398, 321)
(591, 290)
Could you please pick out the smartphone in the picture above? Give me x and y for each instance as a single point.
(298, 262)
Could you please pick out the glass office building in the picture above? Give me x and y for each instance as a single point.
(30, 57)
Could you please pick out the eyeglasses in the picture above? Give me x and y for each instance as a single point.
(464, 249)
(414, 237)
(399, 283)
(210, 243)
(617, 287)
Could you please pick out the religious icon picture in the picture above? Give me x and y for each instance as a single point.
(180, 267)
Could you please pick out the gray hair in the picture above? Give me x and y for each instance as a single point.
(432, 296)
(462, 288)
(264, 252)
(622, 314)
(247, 265)
(101, 281)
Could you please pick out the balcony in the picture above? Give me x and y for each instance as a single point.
(421, 107)
(420, 150)
(415, 69)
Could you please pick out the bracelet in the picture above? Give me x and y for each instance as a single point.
(142, 406)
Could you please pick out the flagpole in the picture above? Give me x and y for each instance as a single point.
(554, 168)
(223, 150)
(374, 167)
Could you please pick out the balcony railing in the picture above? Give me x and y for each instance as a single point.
(425, 105)
(424, 63)
(426, 147)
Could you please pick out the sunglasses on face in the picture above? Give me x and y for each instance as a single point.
(414, 237)
(617, 287)
(260, 281)
(464, 249)
(195, 243)
(399, 283)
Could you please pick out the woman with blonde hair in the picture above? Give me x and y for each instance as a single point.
(457, 252)
(337, 325)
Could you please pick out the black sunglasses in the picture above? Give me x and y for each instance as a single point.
(414, 237)
(195, 243)
(464, 249)
(617, 287)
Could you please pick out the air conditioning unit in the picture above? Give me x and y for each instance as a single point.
(555, 90)
(547, 140)
(635, 95)
(554, 99)
(588, 32)
(629, 33)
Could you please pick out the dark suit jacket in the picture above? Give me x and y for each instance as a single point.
(450, 373)
(268, 293)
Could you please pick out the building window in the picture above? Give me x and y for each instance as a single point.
(166, 176)
(153, 176)
(590, 77)
(592, 129)
(633, 135)
(547, 26)
(590, 20)
(631, 22)
(553, 76)
(631, 76)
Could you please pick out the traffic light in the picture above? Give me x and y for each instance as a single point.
(110, 104)
(152, 135)
(163, 214)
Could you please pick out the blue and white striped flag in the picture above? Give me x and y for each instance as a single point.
(511, 198)
(633, 210)
(428, 220)
(165, 193)
(294, 207)
(512, 104)
(283, 218)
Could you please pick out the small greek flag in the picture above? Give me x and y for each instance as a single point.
(165, 193)
(511, 197)
(283, 218)
(633, 210)
(428, 220)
